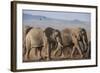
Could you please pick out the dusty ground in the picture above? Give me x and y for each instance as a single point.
(66, 55)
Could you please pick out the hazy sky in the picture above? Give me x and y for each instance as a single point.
(61, 15)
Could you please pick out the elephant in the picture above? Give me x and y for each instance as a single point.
(26, 29)
(34, 44)
(73, 37)
(39, 43)
(84, 39)
(53, 41)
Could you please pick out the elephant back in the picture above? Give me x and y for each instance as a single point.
(36, 37)
(66, 37)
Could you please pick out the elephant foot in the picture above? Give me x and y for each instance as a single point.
(47, 59)
(71, 56)
(81, 56)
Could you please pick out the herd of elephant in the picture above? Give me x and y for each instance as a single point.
(50, 43)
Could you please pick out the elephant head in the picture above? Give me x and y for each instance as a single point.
(53, 40)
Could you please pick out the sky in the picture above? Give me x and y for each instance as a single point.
(61, 15)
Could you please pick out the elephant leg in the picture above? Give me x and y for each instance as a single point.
(48, 52)
(73, 50)
(80, 51)
(85, 42)
(81, 45)
(85, 49)
(59, 47)
(40, 53)
(28, 54)
(28, 48)
(86, 46)
(36, 50)
(24, 52)
(55, 52)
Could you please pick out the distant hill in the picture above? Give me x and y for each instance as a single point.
(27, 17)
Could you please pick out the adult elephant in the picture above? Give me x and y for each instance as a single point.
(84, 39)
(34, 44)
(26, 29)
(75, 38)
(54, 41)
